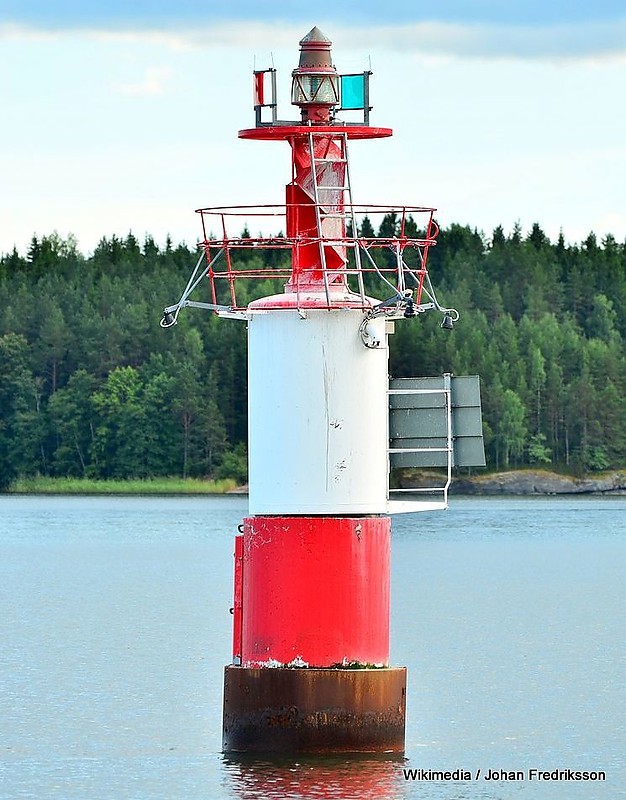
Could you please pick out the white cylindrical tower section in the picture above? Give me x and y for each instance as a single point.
(318, 417)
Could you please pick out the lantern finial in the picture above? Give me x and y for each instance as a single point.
(315, 85)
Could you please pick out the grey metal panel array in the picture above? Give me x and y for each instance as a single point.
(420, 421)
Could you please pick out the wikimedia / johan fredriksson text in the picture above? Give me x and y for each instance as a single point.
(531, 774)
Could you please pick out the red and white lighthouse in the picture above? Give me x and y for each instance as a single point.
(311, 669)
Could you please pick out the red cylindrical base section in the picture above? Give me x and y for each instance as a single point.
(313, 711)
(315, 591)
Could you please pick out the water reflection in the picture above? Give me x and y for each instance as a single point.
(349, 778)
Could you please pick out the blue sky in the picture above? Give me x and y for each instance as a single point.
(179, 12)
(124, 116)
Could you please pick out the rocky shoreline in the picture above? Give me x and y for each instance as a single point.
(516, 482)
(539, 482)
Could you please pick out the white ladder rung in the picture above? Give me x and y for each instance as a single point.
(428, 489)
(419, 450)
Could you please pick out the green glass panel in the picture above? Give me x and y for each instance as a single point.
(352, 91)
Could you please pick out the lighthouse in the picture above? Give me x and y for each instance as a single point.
(311, 670)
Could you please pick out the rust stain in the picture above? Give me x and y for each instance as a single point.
(286, 710)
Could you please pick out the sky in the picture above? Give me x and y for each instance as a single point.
(118, 116)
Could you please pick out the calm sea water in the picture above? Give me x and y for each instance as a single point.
(114, 628)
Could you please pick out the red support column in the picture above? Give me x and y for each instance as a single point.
(316, 591)
(314, 674)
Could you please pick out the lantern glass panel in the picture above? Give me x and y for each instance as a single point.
(322, 89)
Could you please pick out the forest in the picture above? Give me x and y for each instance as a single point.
(91, 385)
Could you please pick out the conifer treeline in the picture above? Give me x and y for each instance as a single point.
(90, 384)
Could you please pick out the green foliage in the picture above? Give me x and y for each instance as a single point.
(538, 453)
(72, 420)
(595, 458)
(512, 430)
(92, 388)
(234, 465)
(152, 486)
(90, 385)
(20, 407)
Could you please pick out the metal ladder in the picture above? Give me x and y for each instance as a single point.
(447, 448)
(345, 202)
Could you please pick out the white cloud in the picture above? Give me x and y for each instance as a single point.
(599, 40)
(571, 41)
(153, 83)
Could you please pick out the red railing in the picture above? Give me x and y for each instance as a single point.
(405, 229)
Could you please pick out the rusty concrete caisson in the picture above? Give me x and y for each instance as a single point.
(290, 710)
